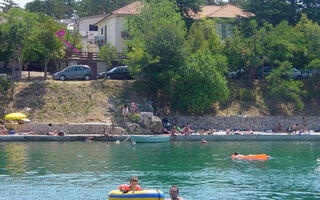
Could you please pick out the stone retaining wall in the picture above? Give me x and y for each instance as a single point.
(196, 122)
(72, 128)
(243, 122)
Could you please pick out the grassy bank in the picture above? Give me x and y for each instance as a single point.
(102, 100)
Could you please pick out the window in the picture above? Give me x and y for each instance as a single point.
(93, 28)
(124, 35)
(101, 31)
(105, 34)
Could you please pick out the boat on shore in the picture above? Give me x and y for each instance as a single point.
(150, 138)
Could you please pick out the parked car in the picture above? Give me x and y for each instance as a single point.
(295, 74)
(4, 76)
(266, 72)
(236, 74)
(74, 72)
(307, 73)
(120, 72)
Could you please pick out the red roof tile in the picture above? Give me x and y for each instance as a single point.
(131, 9)
(227, 11)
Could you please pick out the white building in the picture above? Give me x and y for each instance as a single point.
(111, 28)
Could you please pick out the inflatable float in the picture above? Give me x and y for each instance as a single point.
(136, 195)
(261, 157)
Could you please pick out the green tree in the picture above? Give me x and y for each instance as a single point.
(6, 5)
(280, 44)
(185, 7)
(159, 32)
(39, 6)
(5, 85)
(14, 33)
(200, 83)
(272, 11)
(237, 52)
(107, 54)
(285, 90)
(5, 51)
(57, 9)
(50, 45)
(257, 56)
(314, 83)
(203, 35)
(307, 41)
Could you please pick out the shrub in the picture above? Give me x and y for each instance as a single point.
(285, 90)
(135, 118)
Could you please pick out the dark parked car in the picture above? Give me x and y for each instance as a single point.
(307, 73)
(74, 72)
(120, 72)
(236, 74)
(266, 72)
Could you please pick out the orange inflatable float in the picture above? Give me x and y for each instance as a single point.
(261, 157)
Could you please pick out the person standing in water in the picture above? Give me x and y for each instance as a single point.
(174, 193)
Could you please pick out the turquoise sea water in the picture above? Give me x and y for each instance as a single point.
(89, 170)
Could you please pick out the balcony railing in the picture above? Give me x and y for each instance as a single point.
(89, 56)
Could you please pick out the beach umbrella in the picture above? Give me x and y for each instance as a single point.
(15, 116)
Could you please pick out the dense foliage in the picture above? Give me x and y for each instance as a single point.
(158, 35)
(184, 62)
(200, 83)
(107, 54)
(29, 37)
(5, 85)
(285, 90)
(189, 73)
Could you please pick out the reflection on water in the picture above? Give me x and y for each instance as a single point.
(89, 170)
(14, 157)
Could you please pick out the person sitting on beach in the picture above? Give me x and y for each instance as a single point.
(237, 131)
(229, 131)
(3, 130)
(174, 131)
(55, 132)
(165, 131)
(278, 128)
(174, 193)
(132, 187)
(305, 129)
(201, 132)
(296, 128)
(28, 133)
(61, 133)
(289, 129)
(249, 132)
(186, 130)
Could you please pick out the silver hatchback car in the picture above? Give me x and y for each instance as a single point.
(74, 72)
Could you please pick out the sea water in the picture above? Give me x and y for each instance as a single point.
(89, 170)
